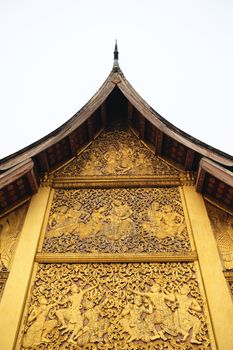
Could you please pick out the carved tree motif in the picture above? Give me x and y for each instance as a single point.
(120, 306)
(117, 220)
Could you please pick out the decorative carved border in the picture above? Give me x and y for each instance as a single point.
(120, 181)
(187, 179)
(109, 257)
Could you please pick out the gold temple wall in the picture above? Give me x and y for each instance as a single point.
(173, 282)
(111, 264)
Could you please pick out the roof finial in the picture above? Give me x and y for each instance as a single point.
(116, 54)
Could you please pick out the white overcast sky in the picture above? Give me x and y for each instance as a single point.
(55, 54)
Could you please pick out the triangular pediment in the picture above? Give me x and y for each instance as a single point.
(117, 152)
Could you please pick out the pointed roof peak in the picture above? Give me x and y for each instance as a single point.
(116, 66)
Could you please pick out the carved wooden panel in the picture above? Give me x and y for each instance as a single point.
(174, 150)
(15, 192)
(117, 221)
(218, 190)
(117, 152)
(116, 306)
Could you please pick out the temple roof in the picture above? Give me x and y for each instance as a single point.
(116, 102)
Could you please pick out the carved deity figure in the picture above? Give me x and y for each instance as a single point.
(39, 327)
(63, 221)
(143, 165)
(162, 224)
(92, 166)
(183, 319)
(132, 320)
(71, 318)
(96, 325)
(111, 157)
(223, 229)
(153, 218)
(120, 224)
(8, 235)
(162, 314)
(94, 225)
(126, 159)
(172, 223)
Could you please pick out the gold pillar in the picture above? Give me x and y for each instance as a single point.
(217, 292)
(14, 296)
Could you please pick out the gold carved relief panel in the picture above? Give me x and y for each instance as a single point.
(116, 306)
(116, 152)
(10, 227)
(133, 220)
(222, 224)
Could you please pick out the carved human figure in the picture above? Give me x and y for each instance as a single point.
(132, 321)
(183, 319)
(152, 219)
(64, 220)
(92, 166)
(120, 223)
(111, 157)
(172, 223)
(71, 318)
(143, 165)
(94, 225)
(8, 236)
(96, 325)
(223, 228)
(39, 327)
(126, 159)
(162, 314)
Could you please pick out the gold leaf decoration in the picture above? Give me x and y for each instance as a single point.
(116, 152)
(222, 224)
(116, 306)
(116, 221)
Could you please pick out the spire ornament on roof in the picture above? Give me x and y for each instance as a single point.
(116, 54)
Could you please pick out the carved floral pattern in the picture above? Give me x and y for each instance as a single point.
(116, 306)
(117, 152)
(117, 220)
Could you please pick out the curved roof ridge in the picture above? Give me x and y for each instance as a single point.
(116, 78)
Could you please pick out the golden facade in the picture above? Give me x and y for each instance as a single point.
(117, 267)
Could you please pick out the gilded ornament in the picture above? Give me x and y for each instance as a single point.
(133, 220)
(116, 153)
(121, 306)
(10, 227)
(222, 224)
